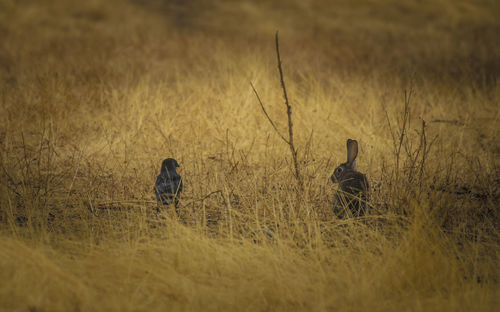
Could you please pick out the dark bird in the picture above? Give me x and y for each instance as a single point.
(168, 186)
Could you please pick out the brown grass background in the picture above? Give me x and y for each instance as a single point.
(95, 94)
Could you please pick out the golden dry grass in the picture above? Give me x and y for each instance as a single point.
(94, 95)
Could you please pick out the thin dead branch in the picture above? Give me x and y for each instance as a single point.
(289, 141)
(267, 115)
(293, 150)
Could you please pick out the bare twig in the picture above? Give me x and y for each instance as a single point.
(293, 150)
(390, 126)
(209, 194)
(453, 122)
(425, 149)
(406, 115)
(289, 141)
(200, 199)
(268, 118)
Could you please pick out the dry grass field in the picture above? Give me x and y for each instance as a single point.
(95, 94)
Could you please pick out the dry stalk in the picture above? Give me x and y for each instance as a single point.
(289, 141)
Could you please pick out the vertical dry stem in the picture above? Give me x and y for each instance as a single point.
(293, 150)
(289, 141)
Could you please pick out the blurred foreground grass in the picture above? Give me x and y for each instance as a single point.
(94, 95)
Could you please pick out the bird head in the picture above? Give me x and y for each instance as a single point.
(169, 164)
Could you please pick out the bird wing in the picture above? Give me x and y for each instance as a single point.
(168, 184)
